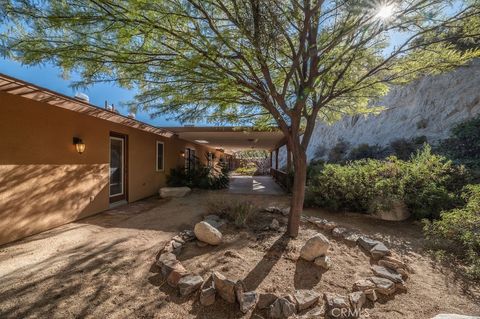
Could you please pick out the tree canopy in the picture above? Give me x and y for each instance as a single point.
(278, 62)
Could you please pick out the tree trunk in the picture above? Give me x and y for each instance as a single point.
(298, 190)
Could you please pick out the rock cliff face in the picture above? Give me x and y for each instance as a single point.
(428, 107)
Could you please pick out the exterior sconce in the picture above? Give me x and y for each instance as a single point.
(182, 153)
(79, 145)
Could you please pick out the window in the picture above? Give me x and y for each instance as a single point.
(160, 150)
(190, 159)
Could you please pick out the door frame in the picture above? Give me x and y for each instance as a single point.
(124, 196)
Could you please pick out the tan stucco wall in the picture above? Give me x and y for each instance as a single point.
(45, 183)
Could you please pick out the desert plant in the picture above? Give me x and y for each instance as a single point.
(427, 184)
(338, 152)
(238, 212)
(403, 148)
(458, 231)
(363, 151)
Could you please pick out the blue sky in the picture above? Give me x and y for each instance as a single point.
(49, 76)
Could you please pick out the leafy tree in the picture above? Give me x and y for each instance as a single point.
(282, 63)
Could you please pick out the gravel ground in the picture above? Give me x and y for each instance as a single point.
(104, 266)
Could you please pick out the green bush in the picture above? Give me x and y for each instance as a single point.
(463, 146)
(338, 152)
(201, 176)
(426, 184)
(249, 170)
(404, 149)
(363, 151)
(458, 231)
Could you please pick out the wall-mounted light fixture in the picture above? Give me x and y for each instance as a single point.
(182, 153)
(79, 145)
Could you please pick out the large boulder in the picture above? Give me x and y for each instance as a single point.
(315, 247)
(167, 192)
(207, 233)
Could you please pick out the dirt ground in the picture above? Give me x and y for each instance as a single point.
(104, 266)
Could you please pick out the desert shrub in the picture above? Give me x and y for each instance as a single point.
(238, 212)
(458, 231)
(426, 184)
(313, 169)
(463, 146)
(363, 151)
(338, 152)
(201, 176)
(403, 148)
(248, 170)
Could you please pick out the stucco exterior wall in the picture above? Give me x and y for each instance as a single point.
(428, 107)
(45, 183)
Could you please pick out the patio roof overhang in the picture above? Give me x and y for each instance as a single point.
(30, 91)
(231, 139)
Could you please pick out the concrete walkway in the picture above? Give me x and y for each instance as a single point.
(256, 185)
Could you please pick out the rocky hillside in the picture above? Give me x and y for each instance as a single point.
(428, 107)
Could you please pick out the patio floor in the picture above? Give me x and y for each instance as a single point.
(254, 185)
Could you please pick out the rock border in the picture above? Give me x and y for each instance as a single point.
(389, 276)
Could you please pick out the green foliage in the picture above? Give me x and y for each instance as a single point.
(364, 151)
(403, 148)
(458, 231)
(249, 170)
(464, 144)
(338, 152)
(426, 184)
(239, 212)
(201, 176)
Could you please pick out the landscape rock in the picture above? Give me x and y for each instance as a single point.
(265, 300)
(176, 274)
(164, 257)
(397, 262)
(306, 299)
(225, 287)
(173, 246)
(168, 192)
(383, 272)
(189, 284)
(169, 265)
(315, 247)
(338, 232)
(282, 308)
(248, 301)
(207, 233)
(187, 235)
(317, 312)
(357, 300)
(351, 237)
(323, 261)
(383, 285)
(274, 225)
(207, 296)
(207, 292)
(379, 251)
(367, 243)
(371, 294)
(330, 226)
(363, 284)
(336, 306)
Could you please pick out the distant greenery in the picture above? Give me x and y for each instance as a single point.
(463, 146)
(426, 183)
(201, 176)
(458, 231)
(248, 170)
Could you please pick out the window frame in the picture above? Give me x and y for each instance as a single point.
(156, 156)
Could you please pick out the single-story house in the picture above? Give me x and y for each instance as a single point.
(62, 159)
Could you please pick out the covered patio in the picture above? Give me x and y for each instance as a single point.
(234, 139)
